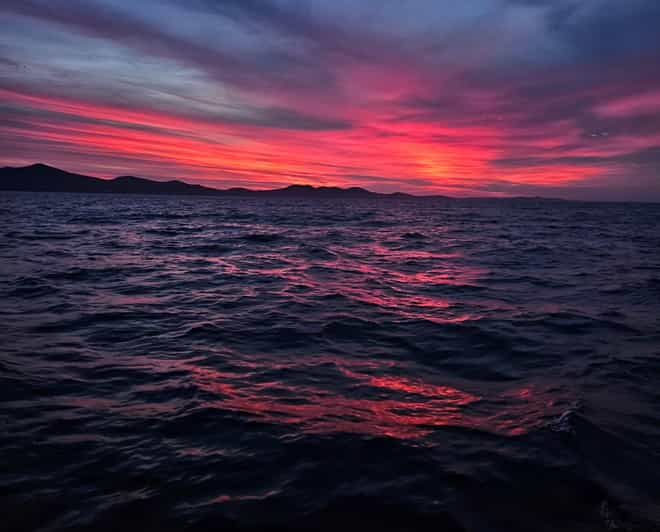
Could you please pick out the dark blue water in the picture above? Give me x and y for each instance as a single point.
(189, 363)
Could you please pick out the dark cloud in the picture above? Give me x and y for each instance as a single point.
(649, 157)
(607, 29)
(594, 126)
(267, 69)
(323, 37)
(277, 117)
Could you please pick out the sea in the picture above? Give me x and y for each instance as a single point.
(192, 363)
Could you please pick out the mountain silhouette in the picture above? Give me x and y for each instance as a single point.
(43, 178)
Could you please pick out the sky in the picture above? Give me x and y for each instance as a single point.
(479, 97)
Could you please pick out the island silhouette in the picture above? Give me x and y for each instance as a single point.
(41, 177)
(44, 178)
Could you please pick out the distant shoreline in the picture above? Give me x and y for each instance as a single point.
(44, 178)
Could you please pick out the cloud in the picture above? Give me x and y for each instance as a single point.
(606, 29)
(495, 96)
(649, 157)
(260, 71)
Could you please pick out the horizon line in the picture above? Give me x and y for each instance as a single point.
(313, 188)
(287, 187)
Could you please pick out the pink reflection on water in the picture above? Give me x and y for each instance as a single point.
(412, 386)
(333, 394)
(370, 403)
(410, 283)
(319, 410)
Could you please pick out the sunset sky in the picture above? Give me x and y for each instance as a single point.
(479, 97)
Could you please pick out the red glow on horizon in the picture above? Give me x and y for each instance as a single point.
(213, 152)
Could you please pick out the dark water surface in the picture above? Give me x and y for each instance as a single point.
(190, 363)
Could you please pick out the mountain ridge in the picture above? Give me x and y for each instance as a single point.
(40, 177)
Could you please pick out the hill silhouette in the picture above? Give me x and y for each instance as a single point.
(43, 178)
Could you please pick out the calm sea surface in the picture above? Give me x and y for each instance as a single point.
(198, 363)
